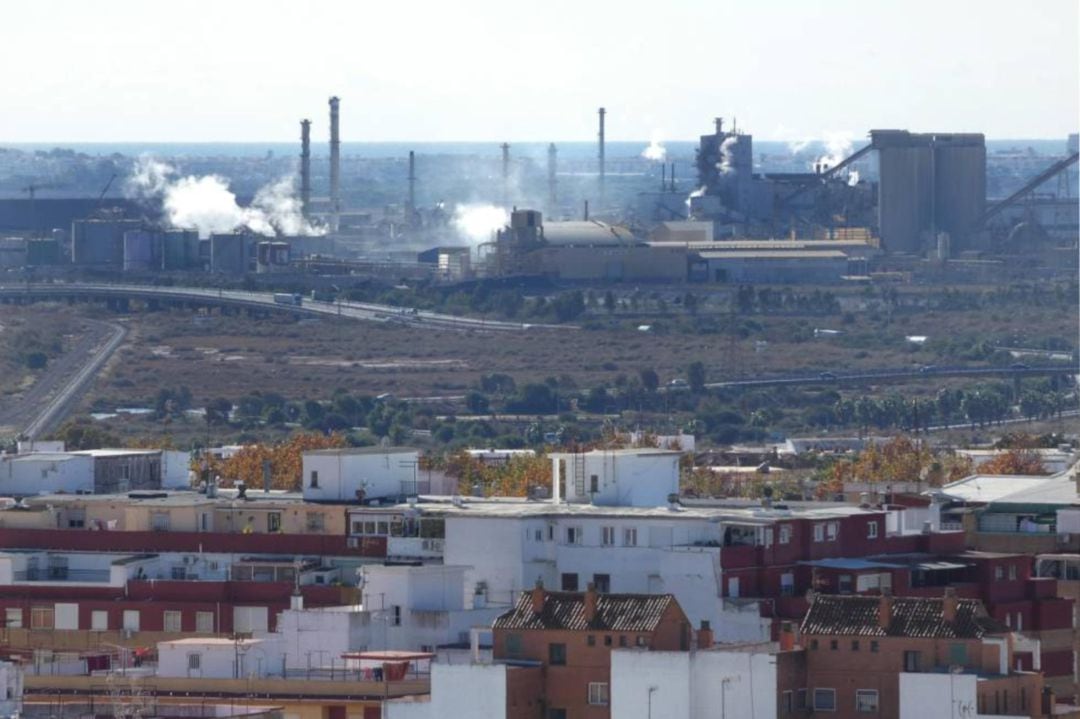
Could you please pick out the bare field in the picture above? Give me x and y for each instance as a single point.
(229, 356)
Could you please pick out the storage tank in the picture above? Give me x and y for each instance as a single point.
(42, 252)
(905, 188)
(229, 253)
(180, 250)
(959, 186)
(139, 251)
(100, 242)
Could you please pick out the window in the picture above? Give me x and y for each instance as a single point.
(178, 572)
(591, 640)
(273, 522)
(641, 640)
(99, 620)
(538, 535)
(573, 535)
(831, 530)
(819, 532)
(825, 700)
(866, 701)
(871, 530)
(315, 522)
(204, 522)
(845, 583)
(629, 537)
(395, 616)
(513, 644)
(911, 661)
(607, 536)
(787, 584)
(813, 645)
(785, 534)
(787, 702)
(873, 647)
(958, 653)
(170, 621)
(159, 521)
(999, 572)
(602, 583)
(569, 582)
(556, 714)
(854, 645)
(598, 694)
(131, 620)
(622, 640)
(204, 622)
(594, 484)
(314, 482)
(13, 618)
(1012, 572)
(800, 699)
(607, 640)
(557, 654)
(834, 644)
(41, 617)
(194, 662)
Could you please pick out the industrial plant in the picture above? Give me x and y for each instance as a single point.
(898, 206)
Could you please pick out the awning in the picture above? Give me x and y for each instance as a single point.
(939, 566)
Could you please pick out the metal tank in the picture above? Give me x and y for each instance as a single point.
(959, 187)
(905, 188)
(139, 250)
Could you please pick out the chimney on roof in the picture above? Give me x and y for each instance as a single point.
(590, 603)
(885, 603)
(705, 635)
(787, 636)
(949, 605)
(538, 597)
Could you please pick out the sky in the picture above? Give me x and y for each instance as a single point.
(522, 70)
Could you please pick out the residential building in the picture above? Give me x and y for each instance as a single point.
(858, 648)
(360, 474)
(570, 635)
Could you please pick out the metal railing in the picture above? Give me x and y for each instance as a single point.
(60, 574)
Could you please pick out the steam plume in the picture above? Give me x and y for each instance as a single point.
(837, 148)
(656, 150)
(477, 223)
(725, 164)
(207, 205)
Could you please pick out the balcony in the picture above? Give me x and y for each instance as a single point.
(63, 574)
(418, 547)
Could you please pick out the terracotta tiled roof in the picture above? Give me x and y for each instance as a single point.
(566, 610)
(911, 617)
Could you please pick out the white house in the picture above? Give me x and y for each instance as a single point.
(220, 657)
(616, 477)
(337, 475)
(740, 682)
(461, 691)
(46, 472)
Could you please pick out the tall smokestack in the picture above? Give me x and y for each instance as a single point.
(600, 157)
(305, 166)
(410, 207)
(335, 162)
(505, 173)
(719, 126)
(553, 159)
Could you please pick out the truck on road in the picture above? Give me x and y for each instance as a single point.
(285, 298)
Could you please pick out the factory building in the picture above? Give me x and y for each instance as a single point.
(930, 183)
(100, 242)
(771, 267)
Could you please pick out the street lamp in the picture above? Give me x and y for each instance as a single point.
(652, 689)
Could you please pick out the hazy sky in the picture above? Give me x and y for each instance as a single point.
(234, 70)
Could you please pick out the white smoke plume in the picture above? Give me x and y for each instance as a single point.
(725, 165)
(207, 205)
(478, 223)
(656, 150)
(853, 178)
(837, 148)
(797, 146)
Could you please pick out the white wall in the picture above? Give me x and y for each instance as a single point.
(948, 696)
(341, 474)
(218, 659)
(321, 636)
(37, 473)
(175, 469)
(693, 685)
(461, 691)
(624, 479)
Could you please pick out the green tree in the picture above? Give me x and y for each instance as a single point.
(695, 376)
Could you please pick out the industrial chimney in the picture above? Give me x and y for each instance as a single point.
(305, 166)
(410, 206)
(505, 174)
(335, 163)
(600, 157)
(553, 159)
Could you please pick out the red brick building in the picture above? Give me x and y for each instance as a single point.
(569, 637)
(858, 647)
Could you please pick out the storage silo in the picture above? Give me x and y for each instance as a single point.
(180, 250)
(959, 186)
(139, 251)
(229, 253)
(905, 188)
(100, 242)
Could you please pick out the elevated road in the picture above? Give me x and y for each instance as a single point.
(899, 375)
(260, 301)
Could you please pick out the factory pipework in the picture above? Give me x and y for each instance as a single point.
(305, 166)
(335, 162)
